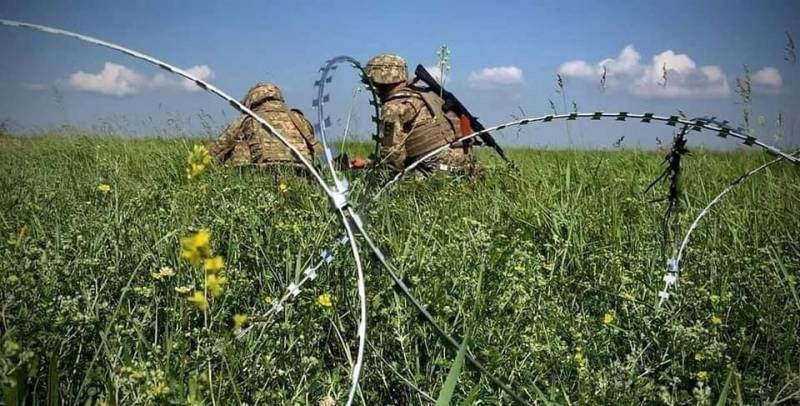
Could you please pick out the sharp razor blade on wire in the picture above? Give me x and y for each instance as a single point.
(335, 196)
(339, 200)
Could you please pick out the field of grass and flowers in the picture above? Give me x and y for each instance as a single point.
(123, 281)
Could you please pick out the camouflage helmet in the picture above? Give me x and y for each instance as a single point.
(387, 69)
(262, 92)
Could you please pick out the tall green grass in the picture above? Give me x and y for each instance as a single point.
(564, 242)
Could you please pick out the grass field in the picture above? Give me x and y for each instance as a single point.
(568, 251)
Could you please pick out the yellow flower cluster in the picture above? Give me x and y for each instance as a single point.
(582, 362)
(239, 320)
(198, 299)
(324, 300)
(196, 249)
(163, 273)
(196, 246)
(103, 188)
(608, 318)
(199, 159)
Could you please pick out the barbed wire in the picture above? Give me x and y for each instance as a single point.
(671, 274)
(697, 124)
(721, 128)
(707, 209)
(337, 197)
(338, 194)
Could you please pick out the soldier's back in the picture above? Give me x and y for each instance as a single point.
(291, 124)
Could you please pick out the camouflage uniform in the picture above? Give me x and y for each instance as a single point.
(414, 122)
(405, 114)
(245, 141)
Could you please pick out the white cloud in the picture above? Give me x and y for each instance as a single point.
(113, 80)
(496, 77)
(683, 77)
(626, 64)
(118, 80)
(768, 77)
(577, 69)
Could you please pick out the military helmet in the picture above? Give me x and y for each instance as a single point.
(262, 92)
(387, 69)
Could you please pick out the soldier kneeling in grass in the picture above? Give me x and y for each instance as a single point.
(246, 142)
(415, 122)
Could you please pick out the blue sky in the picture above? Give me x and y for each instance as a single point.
(505, 57)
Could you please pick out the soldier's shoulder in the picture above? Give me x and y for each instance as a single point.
(399, 109)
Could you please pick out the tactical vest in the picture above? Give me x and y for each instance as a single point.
(279, 152)
(442, 129)
(302, 128)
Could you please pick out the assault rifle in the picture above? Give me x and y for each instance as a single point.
(469, 123)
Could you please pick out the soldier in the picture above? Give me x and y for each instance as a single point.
(414, 121)
(246, 142)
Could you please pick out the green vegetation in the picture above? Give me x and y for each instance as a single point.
(554, 270)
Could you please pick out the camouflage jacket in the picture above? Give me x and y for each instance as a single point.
(245, 141)
(410, 129)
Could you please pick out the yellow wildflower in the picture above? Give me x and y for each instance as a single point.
(579, 357)
(580, 360)
(183, 289)
(550, 267)
(608, 318)
(166, 271)
(239, 320)
(716, 320)
(283, 187)
(199, 154)
(213, 265)
(214, 284)
(702, 376)
(23, 231)
(199, 300)
(198, 160)
(194, 170)
(104, 188)
(159, 389)
(196, 246)
(519, 268)
(324, 300)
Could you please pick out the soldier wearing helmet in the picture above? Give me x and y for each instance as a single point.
(246, 142)
(414, 120)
